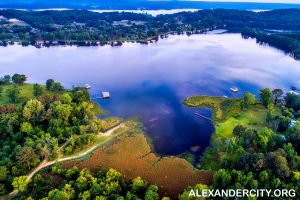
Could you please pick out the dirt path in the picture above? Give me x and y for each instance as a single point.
(45, 163)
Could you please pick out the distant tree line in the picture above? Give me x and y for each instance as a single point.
(288, 42)
(83, 27)
(16, 79)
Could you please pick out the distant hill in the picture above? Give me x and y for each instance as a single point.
(138, 4)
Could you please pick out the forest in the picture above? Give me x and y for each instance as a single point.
(73, 183)
(37, 121)
(288, 42)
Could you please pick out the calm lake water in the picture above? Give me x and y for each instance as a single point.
(152, 80)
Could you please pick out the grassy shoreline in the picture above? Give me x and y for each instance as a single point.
(220, 105)
(227, 114)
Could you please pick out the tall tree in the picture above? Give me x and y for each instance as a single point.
(49, 84)
(277, 95)
(278, 164)
(33, 110)
(138, 186)
(248, 99)
(20, 183)
(27, 156)
(19, 78)
(13, 94)
(152, 193)
(292, 101)
(222, 179)
(3, 173)
(270, 114)
(37, 90)
(266, 97)
(56, 86)
(6, 79)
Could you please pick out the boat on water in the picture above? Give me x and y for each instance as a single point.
(234, 90)
(87, 86)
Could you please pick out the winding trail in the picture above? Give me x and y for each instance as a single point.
(45, 163)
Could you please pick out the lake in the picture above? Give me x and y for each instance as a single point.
(150, 81)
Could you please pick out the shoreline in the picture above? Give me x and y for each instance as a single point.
(75, 159)
(94, 43)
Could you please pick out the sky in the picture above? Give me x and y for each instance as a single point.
(261, 1)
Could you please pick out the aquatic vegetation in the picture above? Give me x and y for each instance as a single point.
(132, 156)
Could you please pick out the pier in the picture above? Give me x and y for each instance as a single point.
(199, 115)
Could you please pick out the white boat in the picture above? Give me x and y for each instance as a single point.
(87, 86)
(235, 90)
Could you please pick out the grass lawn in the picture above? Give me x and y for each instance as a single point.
(254, 117)
(26, 92)
(220, 105)
(228, 113)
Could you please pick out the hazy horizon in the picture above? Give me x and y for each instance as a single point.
(152, 4)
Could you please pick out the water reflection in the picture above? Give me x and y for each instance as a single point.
(152, 80)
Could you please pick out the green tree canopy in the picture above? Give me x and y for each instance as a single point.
(27, 156)
(37, 90)
(152, 193)
(138, 186)
(248, 99)
(3, 173)
(20, 183)
(33, 110)
(266, 97)
(49, 84)
(19, 78)
(277, 94)
(222, 179)
(13, 94)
